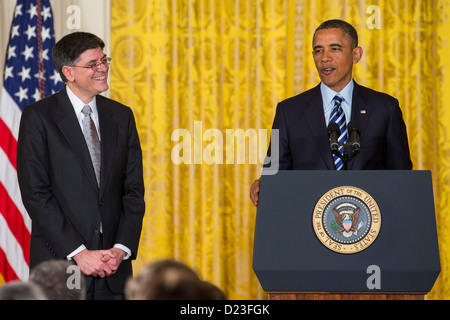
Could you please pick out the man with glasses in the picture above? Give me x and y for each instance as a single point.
(79, 164)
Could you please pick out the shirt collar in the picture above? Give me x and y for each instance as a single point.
(78, 104)
(329, 94)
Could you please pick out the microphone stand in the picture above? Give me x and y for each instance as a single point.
(345, 157)
(354, 134)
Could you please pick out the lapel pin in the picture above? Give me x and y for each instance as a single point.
(363, 111)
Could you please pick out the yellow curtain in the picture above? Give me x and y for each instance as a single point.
(199, 66)
(193, 70)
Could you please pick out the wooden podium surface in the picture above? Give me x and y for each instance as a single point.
(346, 296)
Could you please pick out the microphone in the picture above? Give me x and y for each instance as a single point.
(355, 131)
(334, 133)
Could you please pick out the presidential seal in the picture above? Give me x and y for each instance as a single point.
(346, 220)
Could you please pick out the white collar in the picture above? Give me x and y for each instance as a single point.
(329, 94)
(78, 104)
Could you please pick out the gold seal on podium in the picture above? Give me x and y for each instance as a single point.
(346, 220)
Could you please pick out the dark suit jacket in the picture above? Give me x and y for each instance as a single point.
(59, 188)
(303, 136)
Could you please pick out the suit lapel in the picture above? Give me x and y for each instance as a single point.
(316, 119)
(361, 111)
(70, 128)
(108, 133)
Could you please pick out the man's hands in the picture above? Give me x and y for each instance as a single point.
(254, 192)
(99, 263)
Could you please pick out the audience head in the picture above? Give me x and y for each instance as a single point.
(170, 280)
(21, 290)
(211, 292)
(60, 280)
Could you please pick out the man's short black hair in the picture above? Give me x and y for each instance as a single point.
(68, 50)
(346, 27)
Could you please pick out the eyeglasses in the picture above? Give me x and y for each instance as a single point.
(96, 65)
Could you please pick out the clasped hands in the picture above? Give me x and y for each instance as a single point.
(99, 263)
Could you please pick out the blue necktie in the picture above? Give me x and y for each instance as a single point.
(338, 116)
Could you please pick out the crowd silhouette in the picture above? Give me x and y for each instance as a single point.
(161, 280)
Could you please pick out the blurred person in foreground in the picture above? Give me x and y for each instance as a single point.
(59, 279)
(21, 290)
(171, 280)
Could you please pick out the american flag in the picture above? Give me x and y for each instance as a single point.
(29, 75)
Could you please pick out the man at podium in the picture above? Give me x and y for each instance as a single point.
(303, 121)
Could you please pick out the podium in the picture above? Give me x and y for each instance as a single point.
(307, 247)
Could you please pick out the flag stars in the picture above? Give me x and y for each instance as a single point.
(36, 96)
(31, 32)
(28, 52)
(46, 13)
(40, 75)
(15, 31)
(55, 77)
(22, 94)
(28, 66)
(25, 73)
(32, 11)
(44, 55)
(45, 34)
(11, 52)
(18, 11)
(8, 73)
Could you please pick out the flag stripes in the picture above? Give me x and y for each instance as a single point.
(29, 76)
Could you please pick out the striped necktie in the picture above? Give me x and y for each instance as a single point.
(338, 116)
